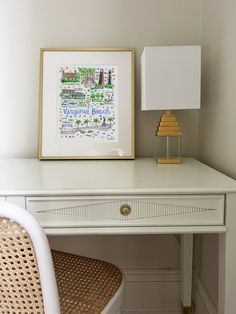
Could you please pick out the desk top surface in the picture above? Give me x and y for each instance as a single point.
(140, 176)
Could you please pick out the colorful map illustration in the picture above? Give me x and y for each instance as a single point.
(87, 102)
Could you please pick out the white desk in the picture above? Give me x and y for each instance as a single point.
(85, 197)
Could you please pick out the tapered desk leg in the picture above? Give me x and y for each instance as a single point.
(227, 260)
(186, 272)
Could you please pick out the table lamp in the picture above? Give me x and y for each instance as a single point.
(170, 79)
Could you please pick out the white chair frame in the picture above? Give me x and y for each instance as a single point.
(42, 252)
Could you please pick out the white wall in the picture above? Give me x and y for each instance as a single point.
(218, 115)
(27, 25)
(218, 124)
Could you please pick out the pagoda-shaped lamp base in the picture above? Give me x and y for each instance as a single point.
(168, 136)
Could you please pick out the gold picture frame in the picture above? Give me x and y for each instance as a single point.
(86, 103)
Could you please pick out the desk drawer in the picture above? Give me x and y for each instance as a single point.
(186, 210)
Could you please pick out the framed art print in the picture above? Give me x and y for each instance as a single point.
(86, 104)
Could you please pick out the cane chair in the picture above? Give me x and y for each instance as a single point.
(35, 280)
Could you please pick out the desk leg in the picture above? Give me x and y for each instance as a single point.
(227, 260)
(186, 272)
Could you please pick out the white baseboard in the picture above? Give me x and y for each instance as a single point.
(202, 299)
(153, 274)
(146, 282)
(149, 291)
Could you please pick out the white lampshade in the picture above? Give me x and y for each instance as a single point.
(171, 77)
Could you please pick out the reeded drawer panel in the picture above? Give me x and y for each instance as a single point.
(145, 211)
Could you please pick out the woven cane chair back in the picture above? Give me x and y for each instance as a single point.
(20, 288)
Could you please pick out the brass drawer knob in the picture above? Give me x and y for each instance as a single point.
(125, 209)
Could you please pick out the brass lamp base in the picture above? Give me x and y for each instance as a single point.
(168, 129)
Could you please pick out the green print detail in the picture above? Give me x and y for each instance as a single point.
(87, 102)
